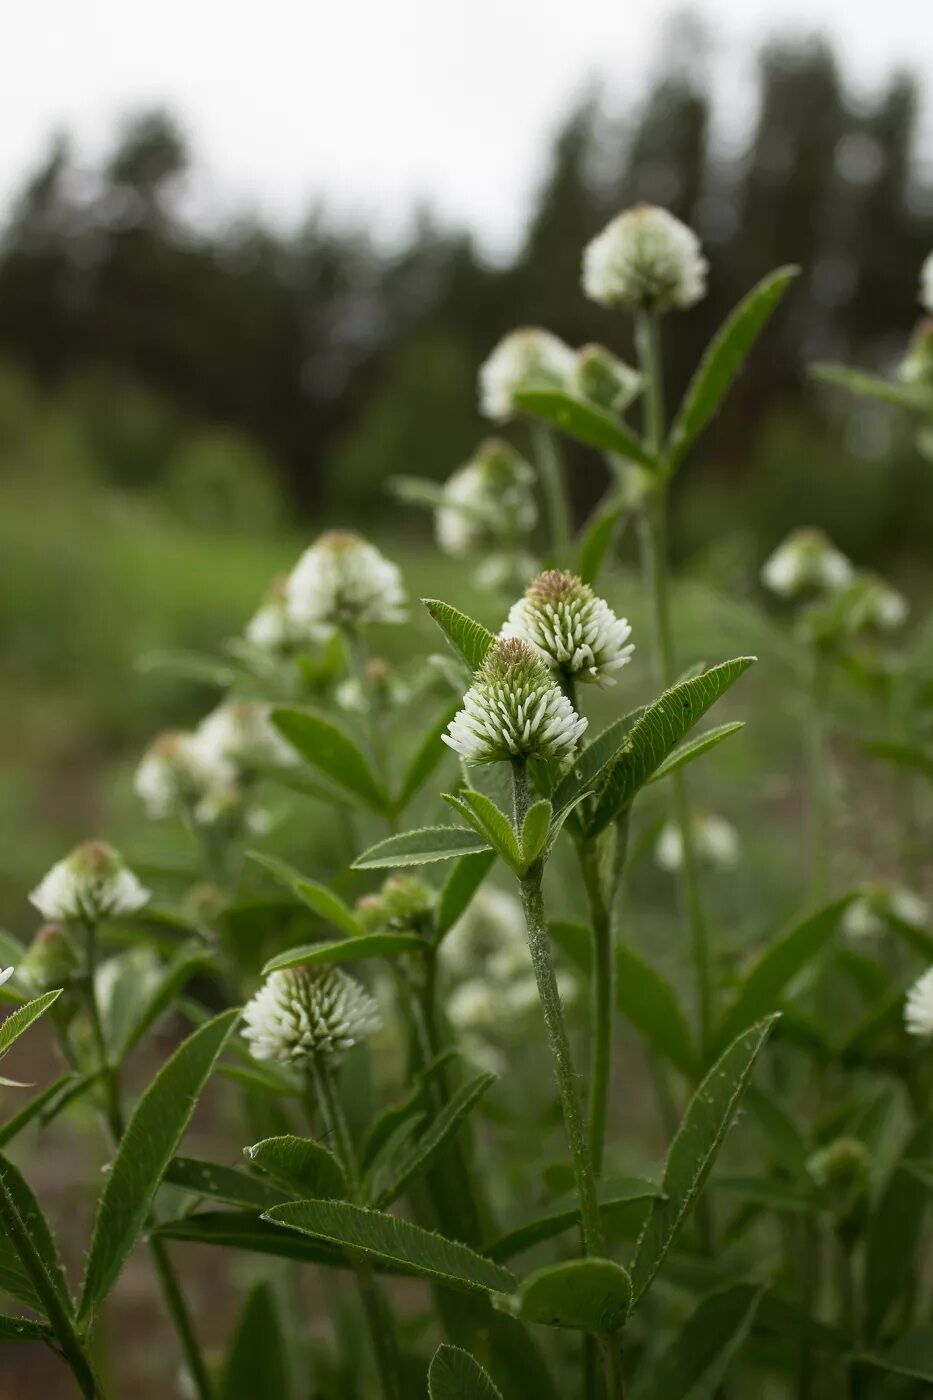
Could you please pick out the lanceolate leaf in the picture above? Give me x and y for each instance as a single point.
(760, 989)
(871, 386)
(698, 1359)
(911, 1355)
(44, 1099)
(597, 541)
(329, 749)
(163, 990)
(486, 818)
(590, 1295)
(722, 361)
(304, 1167)
(428, 843)
(394, 1241)
(650, 1004)
(43, 1242)
(694, 1149)
(612, 1193)
(470, 640)
(22, 1018)
(585, 422)
(247, 1232)
(23, 1329)
(593, 760)
(368, 945)
(695, 748)
(257, 1362)
(412, 1105)
(455, 1375)
(222, 1183)
(436, 1136)
(322, 900)
(659, 729)
(894, 1233)
(535, 830)
(146, 1148)
(461, 885)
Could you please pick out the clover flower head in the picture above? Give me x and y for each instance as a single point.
(514, 709)
(806, 560)
(342, 581)
(527, 358)
(926, 284)
(491, 925)
(51, 959)
(916, 368)
(645, 257)
(604, 379)
(271, 628)
(573, 630)
(301, 1013)
(918, 1008)
(716, 842)
(92, 883)
(237, 734)
(873, 602)
(489, 499)
(404, 902)
(179, 770)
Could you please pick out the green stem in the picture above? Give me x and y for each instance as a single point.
(612, 1365)
(72, 1348)
(543, 964)
(553, 484)
(603, 995)
(178, 1311)
(820, 778)
(374, 1306)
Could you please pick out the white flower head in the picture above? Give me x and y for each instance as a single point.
(493, 923)
(237, 734)
(528, 358)
(806, 560)
(873, 602)
(179, 770)
(716, 842)
(488, 500)
(304, 1012)
(926, 284)
(604, 379)
(92, 883)
(866, 917)
(343, 581)
(918, 1008)
(645, 257)
(271, 628)
(514, 709)
(572, 629)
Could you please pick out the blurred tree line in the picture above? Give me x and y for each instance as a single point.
(239, 354)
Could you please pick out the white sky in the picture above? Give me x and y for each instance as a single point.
(377, 104)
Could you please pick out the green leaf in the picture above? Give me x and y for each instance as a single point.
(257, 1362)
(760, 989)
(461, 885)
(770, 1192)
(693, 1151)
(47, 1096)
(656, 733)
(590, 1295)
(582, 420)
(426, 759)
(470, 640)
(322, 900)
(695, 748)
(564, 1213)
(535, 830)
(871, 386)
(23, 1329)
(722, 360)
(368, 945)
(698, 1358)
(592, 760)
(301, 1165)
(439, 1132)
(22, 1018)
(331, 750)
(247, 1232)
(160, 991)
(911, 1355)
(148, 1145)
(597, 540)
(383, 1130)
(650, 1003)
(787, 1145)
(14, 1277)
(221, 1183)
(455, 1375)
(187, 666)
(394, 1241)
(420, 847)
(486, 818)
(895, 1229)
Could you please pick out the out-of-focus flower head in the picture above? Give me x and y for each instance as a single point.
(301, 1013)
(238, 734)
(51, 959)
(572, 629)
(866, 917)
(92, 883)
(344, 581)
(841, 1170)
(514, 709)
(716, 842)
(528, 358)
(604, 379)
(404, 903)
(492, 925)
(488, 501)
(380, 684)
(918, 1008)
(926, 284)
(271, 627)
(645, 258)
(806, 561)
(177, 774)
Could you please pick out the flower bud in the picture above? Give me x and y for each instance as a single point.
(918, 1007)
(806, 560)
(304, 1012)
(404, 903)
(604, 379)
(645, 258)
(572, 629)
(841, 1170)
(514, 709)
(343, 581)
(92, 883)
(51, 959)
(528, 358)
(490, 500)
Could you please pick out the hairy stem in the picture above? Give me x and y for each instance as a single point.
(553, 484)
(603, 990)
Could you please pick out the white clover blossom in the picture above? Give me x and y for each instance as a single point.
(528, 358)
(492, 927)
(179, 771)
(488, 500)
(238, 733)
(866, 917)
(806, 559)
(91, 883)
(343, 581)
(604, 379)
(883, 606)
(926, 284)
(5, 974)
(271, 628)
(572, 629)
(514, 709)
(645, 257)
(918, 1007)
(716, 842)
(301, 1013)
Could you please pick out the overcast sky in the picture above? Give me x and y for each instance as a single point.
(377, 104)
